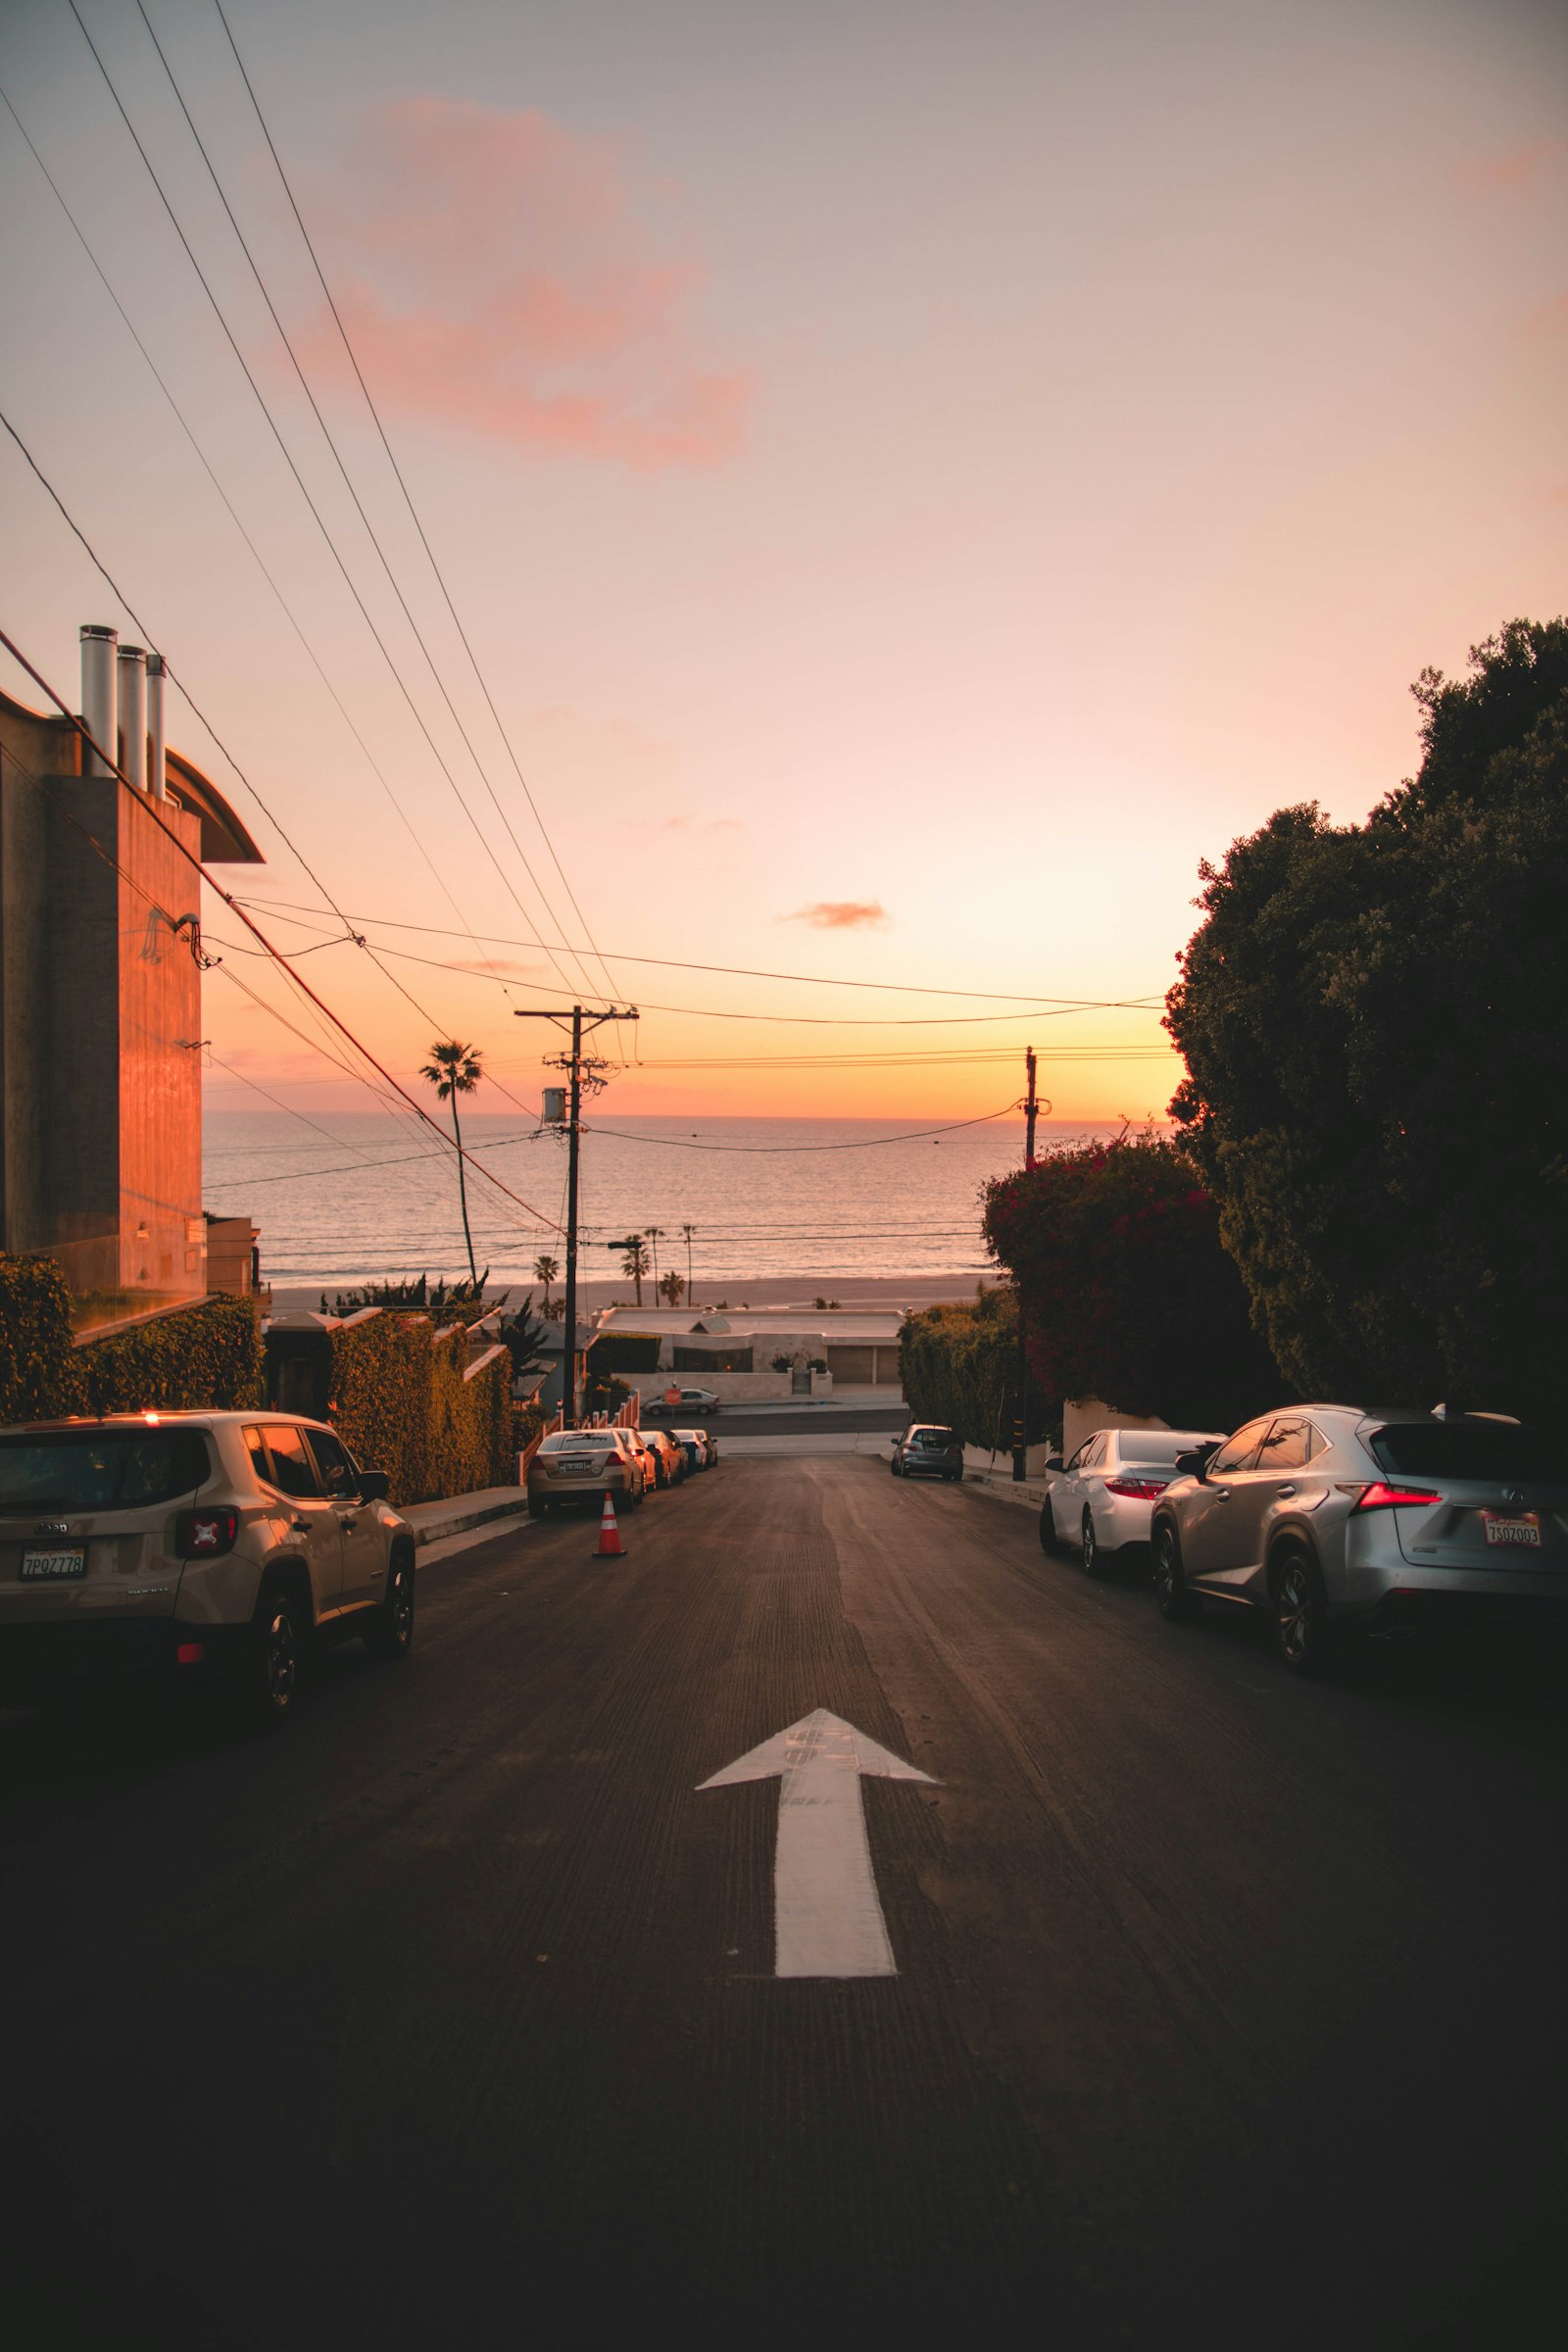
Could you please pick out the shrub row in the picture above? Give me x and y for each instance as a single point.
(959, 1366)
(209, 1355)
(402, 1404)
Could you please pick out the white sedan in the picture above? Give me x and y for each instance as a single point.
(1105, 1496)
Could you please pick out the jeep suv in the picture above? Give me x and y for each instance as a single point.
(203, 1550)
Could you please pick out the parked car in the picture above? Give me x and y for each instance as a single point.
(670, 1458)
(1104, 1498)
(697, 1448)
(650, 1467)
(574, 1466)
(928, 1450)
(1336, 1519)
(195, 1549)
(704, 1401)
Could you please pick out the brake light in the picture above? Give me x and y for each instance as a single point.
(1137, 1490)
(1381, 1496)
(205, 1534)
(190, 1653)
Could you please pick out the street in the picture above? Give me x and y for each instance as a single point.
(1226, 2004)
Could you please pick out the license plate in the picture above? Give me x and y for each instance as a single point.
(43, 1567)
(1518, 1528)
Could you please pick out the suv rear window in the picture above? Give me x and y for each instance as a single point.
(111, 1471)
(932, 1437)
(1469, 1449)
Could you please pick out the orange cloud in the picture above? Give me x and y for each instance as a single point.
(496, 278)
(841, 914)
(1516, 167)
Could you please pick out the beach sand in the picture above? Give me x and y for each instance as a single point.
(901, 1291)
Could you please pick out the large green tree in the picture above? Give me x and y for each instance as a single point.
(1375, 1025)
(1128, 1294)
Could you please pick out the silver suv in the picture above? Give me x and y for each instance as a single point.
(1340, 1519)
(203, 1549)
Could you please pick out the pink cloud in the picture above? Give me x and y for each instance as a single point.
(841, 914)
(1515, 168)
(493, 274)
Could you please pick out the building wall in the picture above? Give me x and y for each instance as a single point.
(100, 1101)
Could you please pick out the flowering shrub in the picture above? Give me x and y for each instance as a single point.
(1128, 1294)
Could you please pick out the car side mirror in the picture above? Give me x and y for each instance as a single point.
(1056, 1462)
(374, 1486)
(1192, 1465)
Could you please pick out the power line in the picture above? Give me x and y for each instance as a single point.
(777, 1151)
(899, 988)
(299, 478)
(409, 501)
(176, 678)
(348, 482)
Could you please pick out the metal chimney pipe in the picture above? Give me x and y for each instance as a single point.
(157, 777)
(98, 701)
(134, 716)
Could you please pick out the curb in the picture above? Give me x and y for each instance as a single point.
(436, 1531)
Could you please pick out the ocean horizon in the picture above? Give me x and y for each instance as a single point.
(370, 1196)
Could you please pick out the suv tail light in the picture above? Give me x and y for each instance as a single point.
(205, 1534)
(1381, 1496)
(1137, 1490)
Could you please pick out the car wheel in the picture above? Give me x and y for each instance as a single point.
(1089, 1546)
(538, 1509)
(271, 1682)
(1178, 1603)
(1048, 1529)
(893, 1467)
(391, 1632)
(1302, 1633)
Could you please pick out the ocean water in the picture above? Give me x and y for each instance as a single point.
(374, 1196)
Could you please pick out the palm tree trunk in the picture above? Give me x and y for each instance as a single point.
(462, 1192)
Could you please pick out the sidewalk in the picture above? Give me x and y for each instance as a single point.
(1007, 1488)
(433, 1522)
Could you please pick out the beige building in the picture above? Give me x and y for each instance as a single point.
(100, 990)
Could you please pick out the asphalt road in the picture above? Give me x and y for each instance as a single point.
(1228, 2009)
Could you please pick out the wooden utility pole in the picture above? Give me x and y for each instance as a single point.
(1032, 1108)
(584, 1020)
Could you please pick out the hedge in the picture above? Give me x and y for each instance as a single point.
(958, 1365)
(204, 1355)
(380, 1398)
(207, 1355)
(402, 1403)
(40, 1377)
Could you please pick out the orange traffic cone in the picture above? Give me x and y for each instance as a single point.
(610, 1547)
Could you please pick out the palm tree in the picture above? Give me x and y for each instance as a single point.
(654, 1235)
(672, 1286)
(633, 1259)
(454, 1070)
(546, 1270)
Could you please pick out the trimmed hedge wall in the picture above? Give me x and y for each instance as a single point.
(209, 1355)
(381, 1398)
(40, 1378)
(401, 1403)
(205, 1355)
(959, 1366)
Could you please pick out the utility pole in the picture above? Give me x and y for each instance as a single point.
(580, 1076)
(688, 1231)
(1032, 1108)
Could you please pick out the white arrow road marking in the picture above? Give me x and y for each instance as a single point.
(827, 1921)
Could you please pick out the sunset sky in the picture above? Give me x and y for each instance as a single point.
(916, 479)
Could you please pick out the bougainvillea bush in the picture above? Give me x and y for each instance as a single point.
(1128, 1294)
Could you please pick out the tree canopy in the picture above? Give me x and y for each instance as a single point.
(1128, 1294)
(1372, 1018)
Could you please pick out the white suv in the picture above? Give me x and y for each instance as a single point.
(194, 1548)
